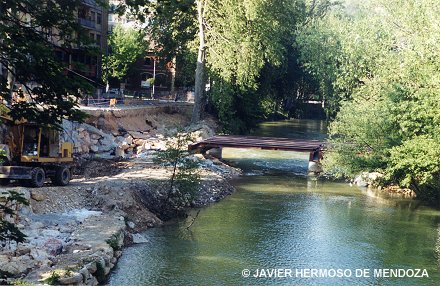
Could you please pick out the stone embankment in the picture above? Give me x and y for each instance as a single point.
(62, 248)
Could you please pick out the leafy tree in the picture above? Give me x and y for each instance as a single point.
(126, 44)
(30, 31)
(383, 79)
(234, 41)
(249, 43)
(185, 179)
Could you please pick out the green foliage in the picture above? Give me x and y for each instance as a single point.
(126, 46)
(53, 279)
(113, 241)
(185, 179)
(3, 110)
(416, 164)
(237, 109)
(21, 282)
(100, 272)
(248, 48)
(2, 156)
(29, 37)
(173, 27)
(8, 208)
(383, 68)
(250, 58)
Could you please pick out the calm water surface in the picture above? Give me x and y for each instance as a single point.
(280, 218)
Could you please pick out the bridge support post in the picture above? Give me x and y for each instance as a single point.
(215, 152)
(315, 166)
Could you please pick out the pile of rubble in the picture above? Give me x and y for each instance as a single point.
(89, 140)
(51, 235)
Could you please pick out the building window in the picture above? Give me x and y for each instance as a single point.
(92, 16)
(98, 39)
(98, 19)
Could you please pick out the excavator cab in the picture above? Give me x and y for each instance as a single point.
(43, 145)
(34, 153)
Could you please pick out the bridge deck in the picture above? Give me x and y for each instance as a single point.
(265, 143)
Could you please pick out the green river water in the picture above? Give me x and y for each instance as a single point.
(306, 230)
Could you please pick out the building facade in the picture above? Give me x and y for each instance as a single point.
(93, 18)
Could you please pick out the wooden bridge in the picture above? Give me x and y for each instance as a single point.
(313, 147)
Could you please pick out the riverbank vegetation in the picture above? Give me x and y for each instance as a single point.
(377, 65)
(373, 65)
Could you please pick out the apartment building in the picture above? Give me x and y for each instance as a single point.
(93, 18)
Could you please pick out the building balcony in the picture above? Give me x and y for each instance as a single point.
(87, 23)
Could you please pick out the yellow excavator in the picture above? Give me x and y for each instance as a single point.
(30, 154)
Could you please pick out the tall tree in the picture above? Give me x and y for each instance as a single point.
(234, 40)
(200, 78)
(126, 45)
(378, 59)
(30, 32)
(245, 38)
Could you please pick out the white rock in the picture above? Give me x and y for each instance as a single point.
(94, 148)
(95, 136)
(76, 278)
(4, 259)
(51, 232)
(131, 224)
(18, 265)
(119, 153)
(360, 181)
(129, 139)
(374, 176)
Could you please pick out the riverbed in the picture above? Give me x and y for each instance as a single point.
(297, 229)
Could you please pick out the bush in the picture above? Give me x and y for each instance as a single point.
(53, 279)
(416, 164)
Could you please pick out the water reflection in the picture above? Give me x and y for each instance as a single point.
(281, 222)
(280, 218)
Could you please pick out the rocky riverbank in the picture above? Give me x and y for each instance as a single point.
(75, 233)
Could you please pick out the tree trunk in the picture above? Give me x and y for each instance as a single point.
(199, 89)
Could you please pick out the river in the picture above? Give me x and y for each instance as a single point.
(309, 231)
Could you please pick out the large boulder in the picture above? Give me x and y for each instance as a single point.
(53, 246)
(367, 179)
(17, 266)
